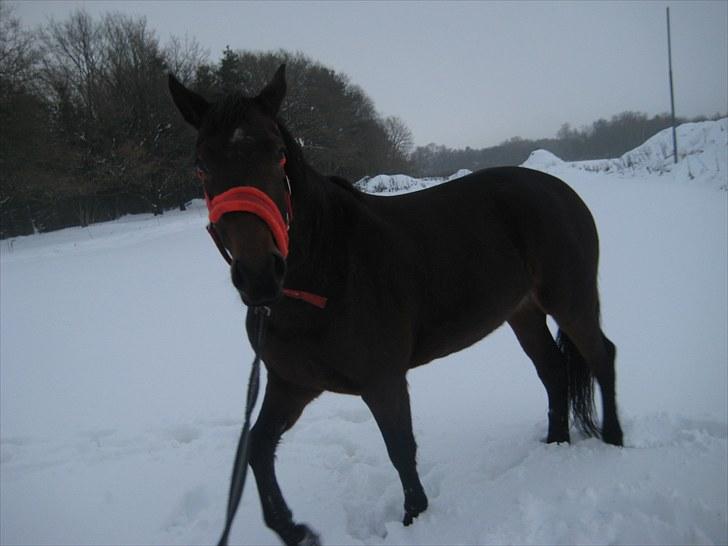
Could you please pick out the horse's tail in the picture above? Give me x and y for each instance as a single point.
(581, 386)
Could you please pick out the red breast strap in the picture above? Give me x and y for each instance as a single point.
(313, 299)
(255, 201)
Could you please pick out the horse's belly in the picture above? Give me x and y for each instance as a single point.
(450, 337)
(454, 326)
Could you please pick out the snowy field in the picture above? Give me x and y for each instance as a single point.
(123, 370)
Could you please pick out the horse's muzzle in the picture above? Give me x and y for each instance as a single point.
(262, 285)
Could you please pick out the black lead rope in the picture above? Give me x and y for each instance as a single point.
(240, 467)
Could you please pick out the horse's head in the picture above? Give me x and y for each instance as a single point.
(240, 159)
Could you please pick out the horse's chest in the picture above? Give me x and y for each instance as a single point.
(312, 362)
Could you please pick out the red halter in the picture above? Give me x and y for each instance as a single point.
(255, 201)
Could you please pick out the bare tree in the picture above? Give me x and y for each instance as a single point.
(73, 61)
(19, 53)
(184, 56)
(400, 138)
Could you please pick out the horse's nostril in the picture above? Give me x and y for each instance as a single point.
(279, 265)
(262, 284)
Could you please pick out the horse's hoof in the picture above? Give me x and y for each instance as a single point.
(557, 439)
(411, 512)
(613, 437)
(305, 536)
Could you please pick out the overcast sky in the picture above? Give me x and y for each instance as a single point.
(471, 73)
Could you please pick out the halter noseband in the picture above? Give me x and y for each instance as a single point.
(250, 199)
(255, 201)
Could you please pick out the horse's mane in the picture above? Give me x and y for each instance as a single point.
(345, 184)
(296, 152)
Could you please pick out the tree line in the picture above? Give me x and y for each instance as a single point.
(89, 132)
(602, 139)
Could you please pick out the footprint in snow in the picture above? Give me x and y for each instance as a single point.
(182, 434)
(354, 415)
(189, 507)
(98, 435)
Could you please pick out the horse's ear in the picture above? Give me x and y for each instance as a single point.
(271, 97)
(192, 105)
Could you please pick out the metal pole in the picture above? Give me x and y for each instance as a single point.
(672, 93)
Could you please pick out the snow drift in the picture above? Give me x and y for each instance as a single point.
(392, 184)
(702, 156)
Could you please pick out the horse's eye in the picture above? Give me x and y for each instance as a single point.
(201, 170)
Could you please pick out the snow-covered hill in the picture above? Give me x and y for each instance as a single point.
(702, 156)
(122, 383)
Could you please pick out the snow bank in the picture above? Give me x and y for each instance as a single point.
(459, 174)
(402, 183)
(541, 160)
(702, 156)
(391, 183)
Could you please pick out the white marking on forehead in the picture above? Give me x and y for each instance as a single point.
(238, 135)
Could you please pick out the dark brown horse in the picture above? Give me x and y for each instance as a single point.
(408, 279)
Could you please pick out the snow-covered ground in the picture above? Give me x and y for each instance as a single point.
(123, 370)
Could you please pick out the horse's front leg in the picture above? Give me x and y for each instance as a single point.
(282, 406)
(388, 401)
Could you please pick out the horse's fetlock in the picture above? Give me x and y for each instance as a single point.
(558, 438)
(278, 519)
(558, 427)
(415, 502)
(612, 434)
(301, 535)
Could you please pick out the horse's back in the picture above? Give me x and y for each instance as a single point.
(493, 209)
(511, 190)
(554, 232)
(486, 242)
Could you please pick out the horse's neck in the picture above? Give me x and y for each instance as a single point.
(317, 240)
(314, 240)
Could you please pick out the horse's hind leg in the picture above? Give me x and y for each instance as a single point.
(282, 406)
(529, 325)
(388, 401)
(599, 353)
